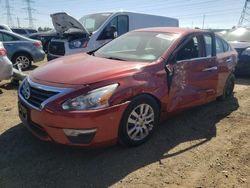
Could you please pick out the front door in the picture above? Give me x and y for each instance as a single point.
(195, 75)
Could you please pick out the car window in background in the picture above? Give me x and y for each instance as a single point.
(31, 31)
(240, 35)
(137, 46)
(92, 22)
(2, 27)
(8, 38)
(19, 31)
(189, 51)
(219, 46)
(122, 25)
(208, 45)
(1, 37)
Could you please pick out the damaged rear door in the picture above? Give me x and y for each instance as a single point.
(194, 76)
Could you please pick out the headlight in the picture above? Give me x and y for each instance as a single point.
(95, 99)
(78, 44)
(246, 52)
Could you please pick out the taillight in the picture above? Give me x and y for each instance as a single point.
(3, 52)
(37, 44)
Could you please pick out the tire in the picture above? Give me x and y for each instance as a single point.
(139, 121)
(228, 89)
(23, 60)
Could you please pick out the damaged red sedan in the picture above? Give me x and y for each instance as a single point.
(123, 90)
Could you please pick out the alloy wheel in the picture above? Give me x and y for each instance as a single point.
(140, 122)
(22, 61)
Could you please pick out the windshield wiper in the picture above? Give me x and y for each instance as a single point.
(115, 58)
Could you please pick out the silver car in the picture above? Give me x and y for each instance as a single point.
(21, 51)
(6, 70)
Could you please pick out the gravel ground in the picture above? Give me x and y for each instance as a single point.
(208, 146)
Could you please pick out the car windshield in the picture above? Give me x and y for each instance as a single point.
(239, 34)
(93, 21)
(137, 46)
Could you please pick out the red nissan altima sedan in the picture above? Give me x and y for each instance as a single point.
(120, 92)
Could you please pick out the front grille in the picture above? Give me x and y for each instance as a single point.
(35, 96)
(56, 48)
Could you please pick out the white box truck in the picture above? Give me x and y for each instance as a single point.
(94, 30)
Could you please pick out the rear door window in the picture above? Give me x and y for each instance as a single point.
(208, 45)
(219, 46)
(226, 46)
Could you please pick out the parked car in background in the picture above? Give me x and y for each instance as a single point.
(5, 27)
(24, 31)
(45, 38)
(239, 38)
(94, 30)
(21, 50)
(121, 91)
(6, 70)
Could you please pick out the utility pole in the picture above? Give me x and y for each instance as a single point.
(203, 22)
(18, 22)
(245, 15)
(29, 12)
(8, 14)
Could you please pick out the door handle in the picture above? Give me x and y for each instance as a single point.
(210, 69)
(229, 60)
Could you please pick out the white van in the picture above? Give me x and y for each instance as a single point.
(94, 30)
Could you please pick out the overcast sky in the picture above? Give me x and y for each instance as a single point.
(218, 13)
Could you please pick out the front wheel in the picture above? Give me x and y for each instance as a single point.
(139, 121)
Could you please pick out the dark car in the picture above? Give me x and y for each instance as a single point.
(239, 39)
(24, 31)
(121, 91)
(45, 38)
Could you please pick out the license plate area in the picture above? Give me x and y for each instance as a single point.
(23, 112)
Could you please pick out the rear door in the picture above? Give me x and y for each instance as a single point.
(226, 60)
(194, 73)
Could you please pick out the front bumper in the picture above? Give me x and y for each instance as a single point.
(49, 126)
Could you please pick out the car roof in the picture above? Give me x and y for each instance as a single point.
(176, 30)
(14, 34)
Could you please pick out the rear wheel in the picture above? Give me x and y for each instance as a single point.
(229, 88)
(22, 60)
(139, 121)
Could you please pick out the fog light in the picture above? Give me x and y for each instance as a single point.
(80, 136)
(77, 132)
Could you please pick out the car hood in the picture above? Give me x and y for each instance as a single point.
(82, 69)
(236, 44)
(62, 22)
